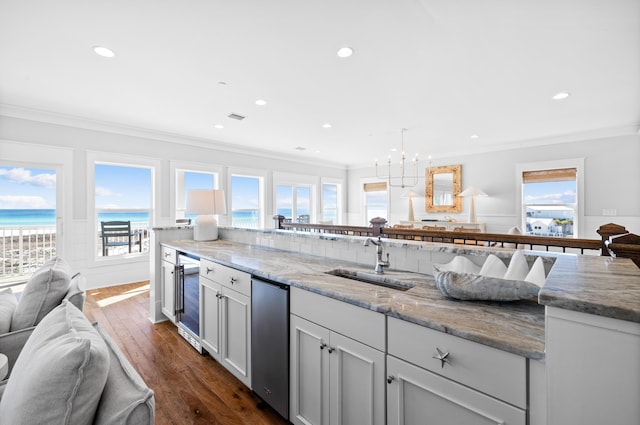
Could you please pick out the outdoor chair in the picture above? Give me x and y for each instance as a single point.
(116, 233)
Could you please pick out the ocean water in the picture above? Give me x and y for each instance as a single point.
(31, 217)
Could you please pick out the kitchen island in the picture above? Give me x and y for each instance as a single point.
(600, 293)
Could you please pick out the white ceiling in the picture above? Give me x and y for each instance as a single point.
(443, 69)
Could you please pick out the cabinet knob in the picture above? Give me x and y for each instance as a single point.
(390, 379)
(209, 270)
(233, 280)
(442, 356)
(331, 349)
(218, 295)
(167, 254)
(323, 345)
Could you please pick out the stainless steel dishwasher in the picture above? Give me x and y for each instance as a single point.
(270, 343)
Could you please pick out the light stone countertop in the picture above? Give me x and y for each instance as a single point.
(516, 327)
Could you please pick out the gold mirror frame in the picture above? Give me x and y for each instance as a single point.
(456, 171)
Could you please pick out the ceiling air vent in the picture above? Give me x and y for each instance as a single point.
(237, 117)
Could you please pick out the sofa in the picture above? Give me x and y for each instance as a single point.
(61, 367)
(52, 283)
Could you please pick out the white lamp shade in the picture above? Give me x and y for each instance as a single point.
(472, 191)
(206, 203)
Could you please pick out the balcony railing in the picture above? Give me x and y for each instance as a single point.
(24, 249)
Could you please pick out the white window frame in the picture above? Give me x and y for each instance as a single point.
(262, 177)
(61, 160)
(177, 187)
(339, 197)
(578, 164)
(363, 197)
(94, 157)
(295, 181)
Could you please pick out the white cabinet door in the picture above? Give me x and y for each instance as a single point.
(335, 380)
(168, 290)
(309, 373)
(416, 396)
(357, 382)
(235, 341)
(210, 293)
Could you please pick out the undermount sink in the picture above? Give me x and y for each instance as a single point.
(372, 278)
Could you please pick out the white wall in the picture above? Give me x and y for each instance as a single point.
(611, 181)
(71, 149)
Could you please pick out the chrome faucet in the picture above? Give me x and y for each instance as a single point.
(380, 263)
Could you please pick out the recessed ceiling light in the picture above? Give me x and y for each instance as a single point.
(560, 96)
(326, 125)
(301, 148)
(103, 51)
(222, 83)
(219, 126)
(393, 150)
(345, 52)
(261, 102)
(474, 136)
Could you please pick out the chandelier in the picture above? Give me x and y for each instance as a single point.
(401, 180)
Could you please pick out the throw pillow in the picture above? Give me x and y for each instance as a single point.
(493, 267)
(518, 267)
(60, 373)
(44, 291)
(8, 303)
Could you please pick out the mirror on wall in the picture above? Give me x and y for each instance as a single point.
(442, 187)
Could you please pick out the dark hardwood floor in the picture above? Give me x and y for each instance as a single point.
(189, 388)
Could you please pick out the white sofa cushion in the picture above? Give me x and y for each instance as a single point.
(60, 374)
(42, 293)
(126, 398)
(8, 303)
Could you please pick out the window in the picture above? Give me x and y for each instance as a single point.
(27, 219)
(294, 202)
(549, 200)
(188, 180)
(123, 193)
(376, 200)
(246, 201)
(330, 202)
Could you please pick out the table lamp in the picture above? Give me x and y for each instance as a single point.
(206, 203)
(472, 192)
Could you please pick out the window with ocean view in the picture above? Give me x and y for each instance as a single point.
(246, 201)
(294, 202)
(122, 195)
(27, 220)
(189, 180)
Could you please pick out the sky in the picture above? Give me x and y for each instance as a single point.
(122, 187)
(562, 192)
(27, 188)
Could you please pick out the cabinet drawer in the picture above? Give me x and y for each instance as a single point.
(169, 254)
(492, 371)
(226, 276)
(358, 323)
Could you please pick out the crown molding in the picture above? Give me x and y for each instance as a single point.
(594, 134)
(66, 120)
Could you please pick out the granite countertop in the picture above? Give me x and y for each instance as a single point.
(516, 327)
(602, 286)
